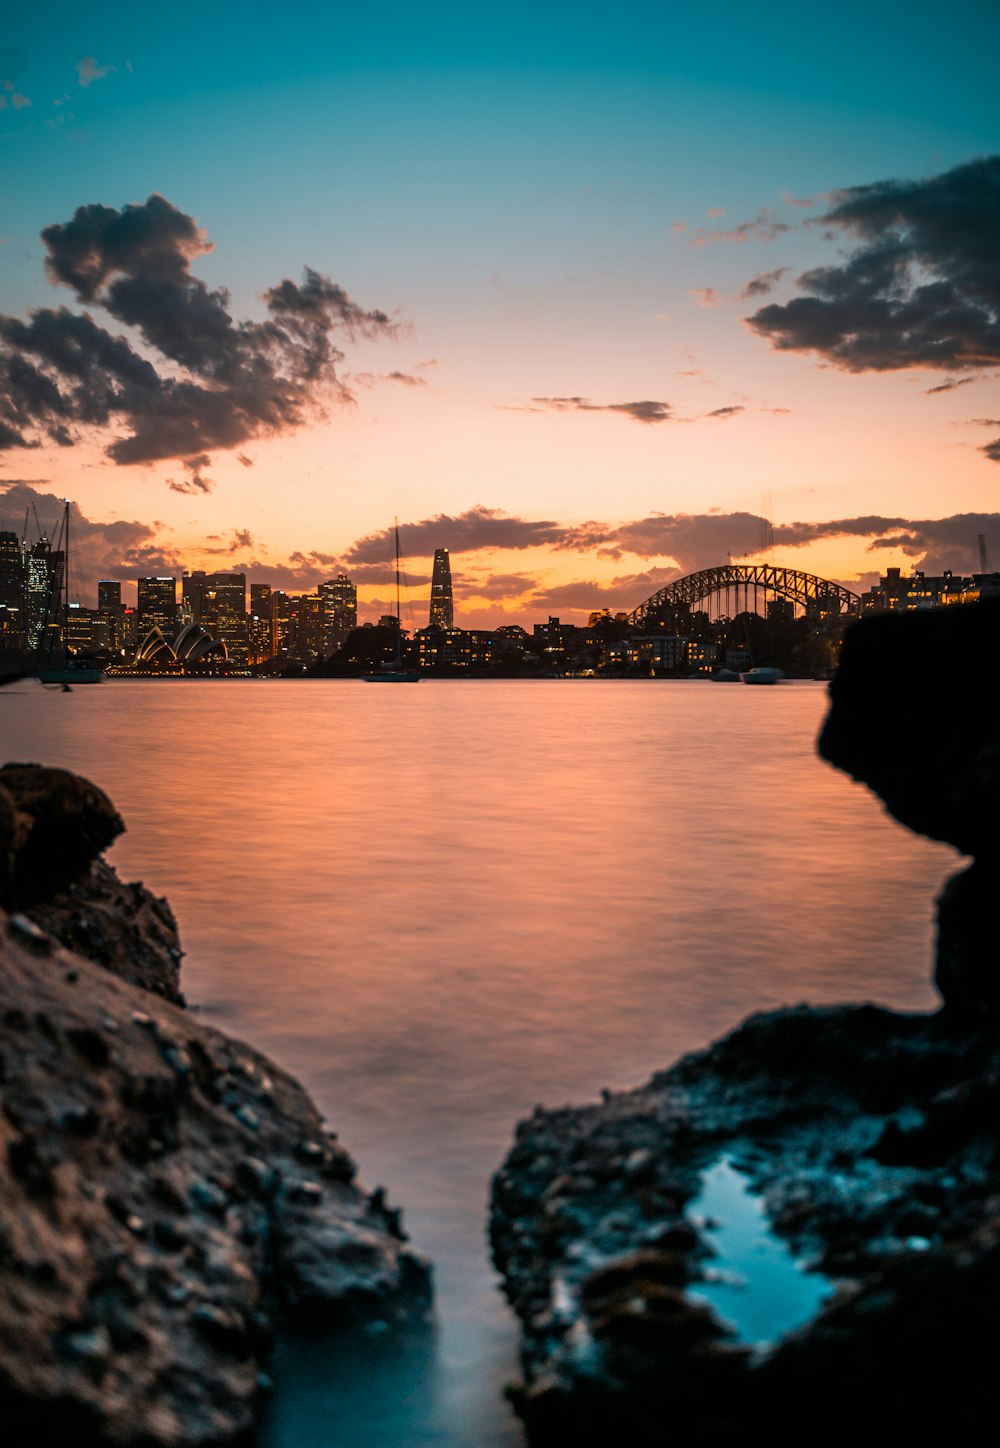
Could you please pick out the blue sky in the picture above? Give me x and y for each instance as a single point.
(507, 181)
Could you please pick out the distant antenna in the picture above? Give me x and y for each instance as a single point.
(984, 558)
(766, 522)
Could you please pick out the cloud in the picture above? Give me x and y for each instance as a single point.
(777, 411)
(762, 284)
(495, 585)
(762, 227)
(705, 296)
(647, 411)
(985, 421)
(791, 200)
(117, 549)
(678, 227)
(477, 528)
(920, 289)
(11, 98)
(406, 379)
(88, 70)
(197, 481)
(246, 461)
(214, 383)
(726, 411)
(951, 384)
(716, 211)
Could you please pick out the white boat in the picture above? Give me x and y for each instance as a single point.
(68, 670)
(394, 673)
(762, 675)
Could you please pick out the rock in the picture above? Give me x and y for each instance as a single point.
(145, 1255)
(913, 716)
(53, 826)
(866, 1145)
(62, 823)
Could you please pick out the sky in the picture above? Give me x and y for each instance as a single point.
(580, 293)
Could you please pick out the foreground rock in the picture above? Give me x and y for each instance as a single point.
(166, 1193)
(654, 1246)
(54, 826)
(867, 1143)
(913, 715)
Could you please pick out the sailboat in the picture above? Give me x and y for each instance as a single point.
(393, 672)
(69, 670)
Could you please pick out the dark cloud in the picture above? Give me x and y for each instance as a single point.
(726, 411)
(467, 532)
(646, 411)
(992, 450)
(118, 549)
(763, 283)
(494, 585)
(922, 287)
(197, 480)
(406, 379)
(985, 421)
(950, 385)
(242, 458)
(216, 383)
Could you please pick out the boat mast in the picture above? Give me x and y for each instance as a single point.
(399, 627)
(65, 629)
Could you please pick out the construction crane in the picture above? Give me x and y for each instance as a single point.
(985, 566)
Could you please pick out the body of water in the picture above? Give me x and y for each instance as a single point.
(440, 905)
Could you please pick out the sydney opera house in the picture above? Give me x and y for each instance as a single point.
(193, 651)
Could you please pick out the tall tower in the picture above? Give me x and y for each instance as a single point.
(442, 605)
(338, 612)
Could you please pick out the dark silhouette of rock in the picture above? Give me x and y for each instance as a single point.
(867, 1142)
(862, 1142)
(913, 715)
(53, 827)
(166, 1195)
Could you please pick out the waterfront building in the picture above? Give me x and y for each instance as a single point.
(43, 582)
(218, 602)
(12, 619)
(112, 613)
(157, 605)
(442, 610)
(453, 650)
(261, 634)
(896, 592)
(81, 636)
(339, 612)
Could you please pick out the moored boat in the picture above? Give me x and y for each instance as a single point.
(762, 675)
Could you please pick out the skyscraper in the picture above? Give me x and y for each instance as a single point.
(339, 612)
(157, 606)
(442, 605)
(111, 613)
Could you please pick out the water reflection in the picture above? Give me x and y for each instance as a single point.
(441, 905)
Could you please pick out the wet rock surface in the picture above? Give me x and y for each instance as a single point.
(870, 1140)
(867, 1142)
(54, 826)
(166, 1195)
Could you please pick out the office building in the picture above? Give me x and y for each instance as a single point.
(157, 607)
(442, 604)
(339, 612)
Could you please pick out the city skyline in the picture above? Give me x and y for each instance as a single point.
(587, 306)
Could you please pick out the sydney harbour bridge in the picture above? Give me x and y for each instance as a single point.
(734, 588)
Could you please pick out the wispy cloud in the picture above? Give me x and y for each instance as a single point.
(762, 284)
(705, 296)
(645, 411)
(88, 70)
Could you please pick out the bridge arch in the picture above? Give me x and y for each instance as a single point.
(804, 590)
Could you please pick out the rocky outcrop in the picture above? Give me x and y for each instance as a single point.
(796, 1231)
(865, 1146)
(166, 1194)
(913, 715)
(54, 826)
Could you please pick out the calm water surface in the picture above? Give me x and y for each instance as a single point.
(441, 905)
